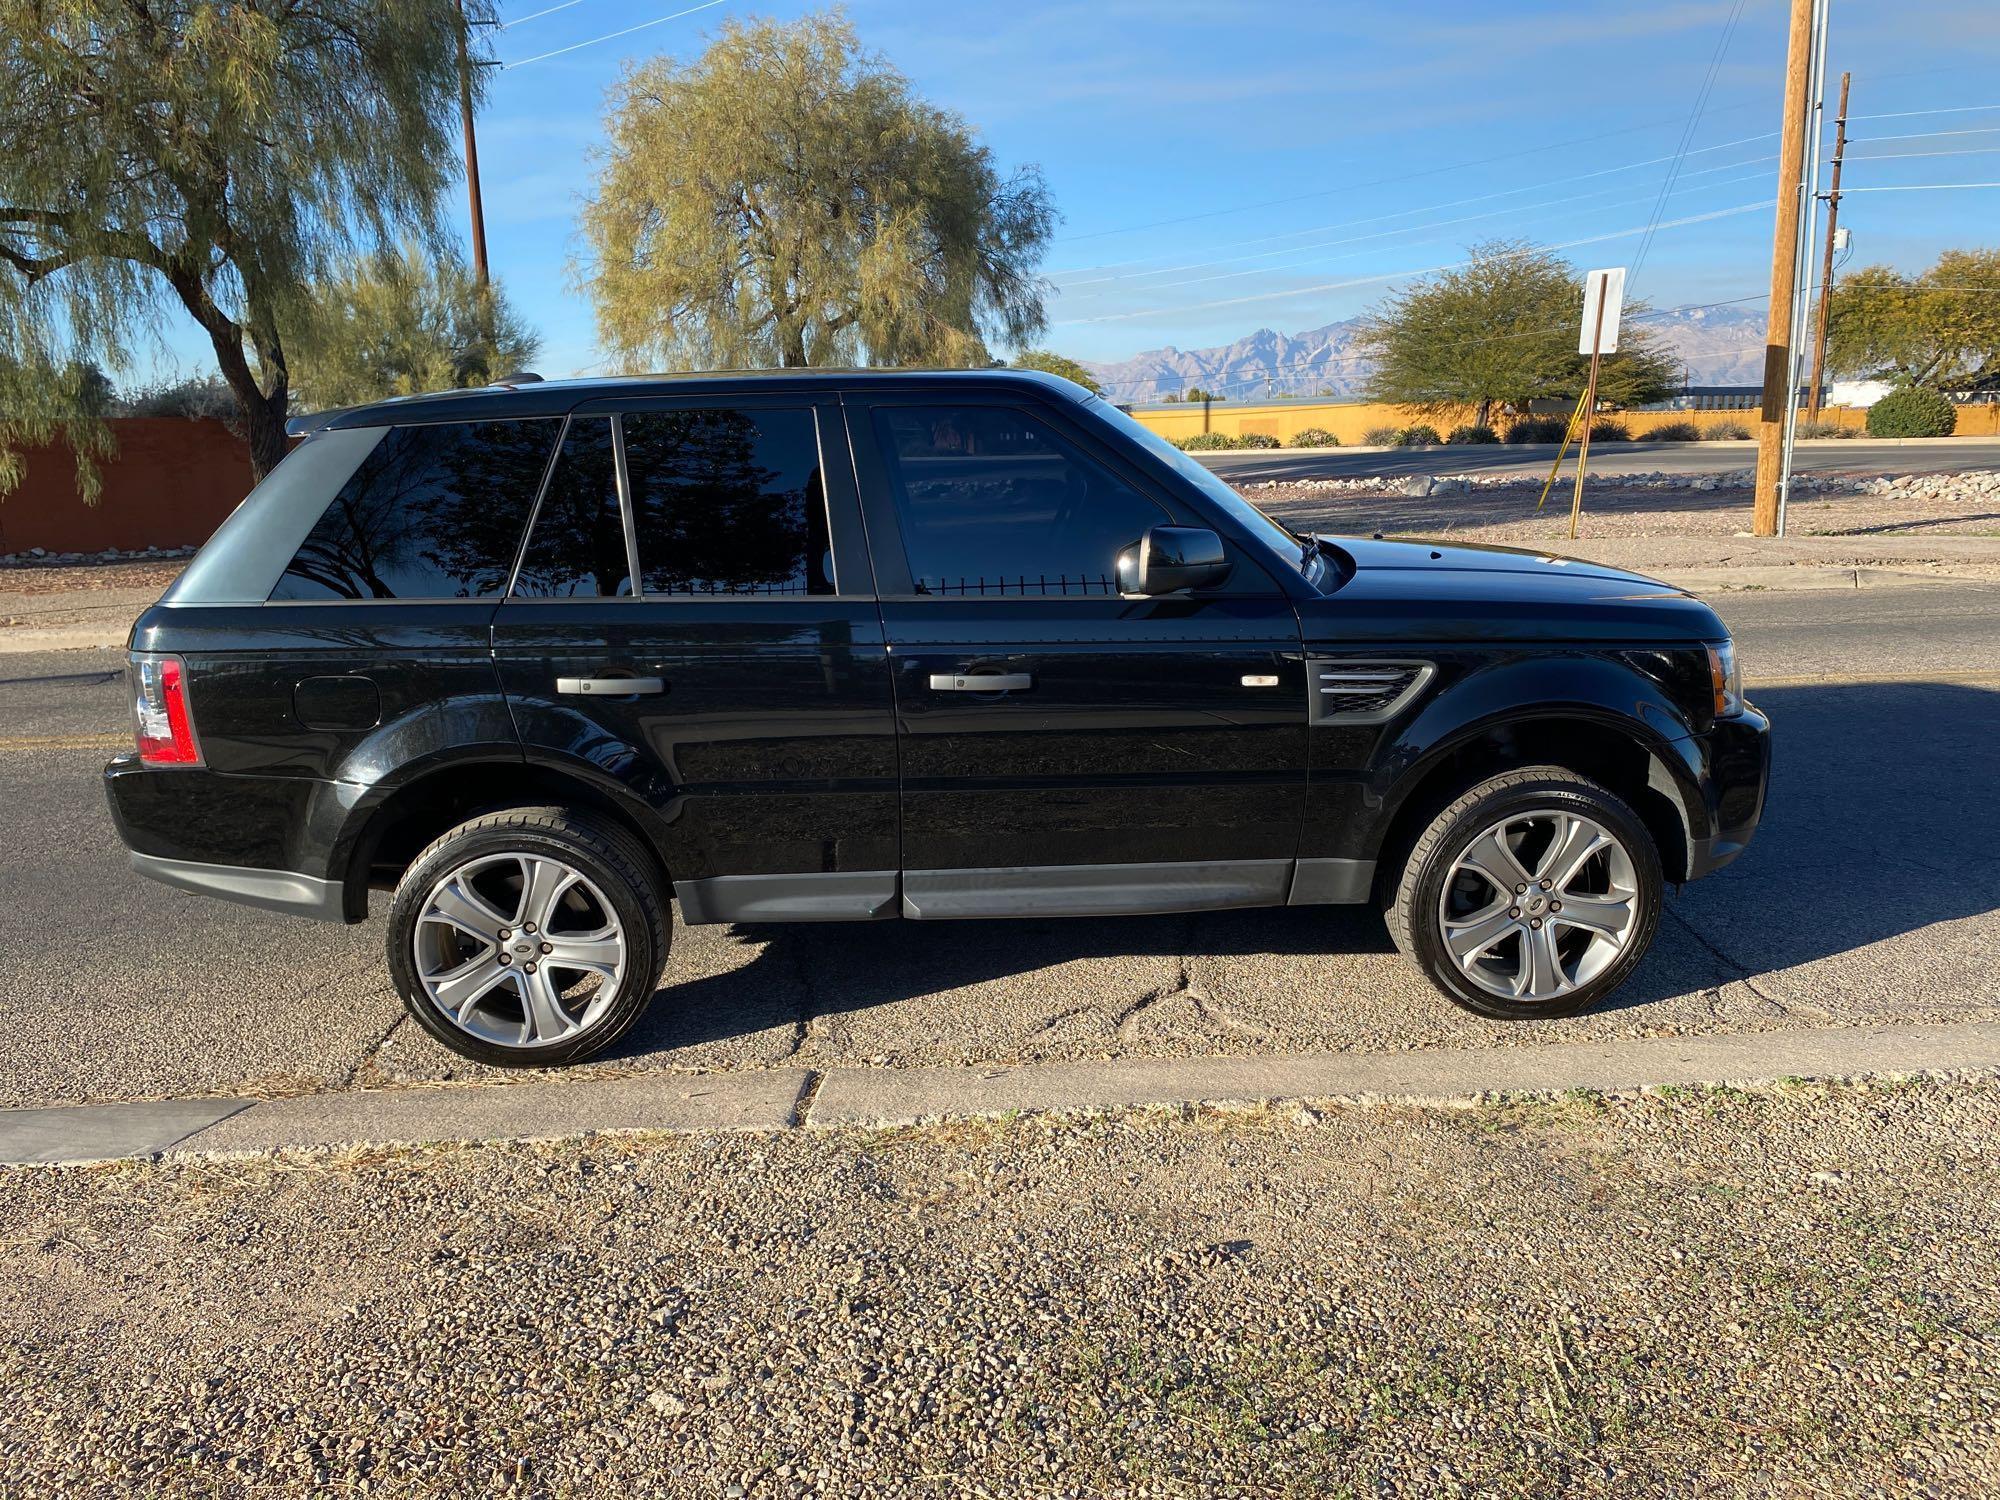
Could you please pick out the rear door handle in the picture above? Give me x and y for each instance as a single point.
(980, 682)
(611, 687)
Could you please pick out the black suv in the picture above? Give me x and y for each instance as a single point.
(843, 646)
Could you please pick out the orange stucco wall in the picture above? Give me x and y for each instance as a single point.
(170, 484)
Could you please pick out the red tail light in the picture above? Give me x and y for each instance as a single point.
(160, 714)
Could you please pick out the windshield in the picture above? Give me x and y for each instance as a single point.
(1281, 540)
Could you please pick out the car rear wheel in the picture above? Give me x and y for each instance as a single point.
(528, 937)
(1536, 893)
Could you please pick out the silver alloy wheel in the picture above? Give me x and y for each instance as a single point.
(519, 950)
(1539, 904)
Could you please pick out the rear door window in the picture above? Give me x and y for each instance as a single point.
(578, 547)
(728, 500)
(433, 512)
(994, 502)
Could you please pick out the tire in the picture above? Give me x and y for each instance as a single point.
(605, 923)
(1568, 959)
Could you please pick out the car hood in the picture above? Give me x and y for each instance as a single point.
(1439, 591)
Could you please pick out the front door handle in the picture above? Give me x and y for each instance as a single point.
(980, 682)
(611, 687)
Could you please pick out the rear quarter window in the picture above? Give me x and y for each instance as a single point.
(433, 512)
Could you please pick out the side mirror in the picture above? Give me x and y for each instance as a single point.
(1168, 559)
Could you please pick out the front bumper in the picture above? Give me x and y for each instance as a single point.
(1735, 779)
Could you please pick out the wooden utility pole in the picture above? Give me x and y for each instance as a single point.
(471, 149)
(1784, 272)
(1826, 264)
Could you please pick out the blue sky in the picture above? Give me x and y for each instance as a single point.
(1224, 167)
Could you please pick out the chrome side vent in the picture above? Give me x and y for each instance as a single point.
(1364, 692)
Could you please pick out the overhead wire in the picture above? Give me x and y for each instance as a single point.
(1687, 136)
(608, 36)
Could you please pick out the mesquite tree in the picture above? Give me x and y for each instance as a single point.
(211, 156)
(787, 199)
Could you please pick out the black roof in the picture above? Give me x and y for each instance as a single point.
(554, 398)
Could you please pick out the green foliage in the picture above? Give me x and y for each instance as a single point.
(1825, 429)
(398, 323)
(1538, 430)
(1196, 393)
(1464, 433)
(1205, 442)
(788, 199)
(1501, 330)
(1940, 329)
(1675, 432)
(1258, 440)
(214, 157)
(1058, 364)
(1606, 431)
(1381, 437)
(1314, 437)
(1912, 412)
(1717, 432)
(1422, 435)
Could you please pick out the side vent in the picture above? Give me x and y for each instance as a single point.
(1364, 692)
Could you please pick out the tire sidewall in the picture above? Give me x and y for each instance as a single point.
(629, 905)
(1469, 823)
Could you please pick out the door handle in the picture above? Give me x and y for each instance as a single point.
(980, 682)
(611, 687)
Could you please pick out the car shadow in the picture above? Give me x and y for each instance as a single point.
(1883, 819)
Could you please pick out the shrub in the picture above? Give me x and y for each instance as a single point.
(1675, 432)
(1716, 432)
(1314, 437)
(1423, 435)
(1825, 429)
(1604, 430)
(1258, 440)
(197, 396)
(1206, 442)
(1912, 412)
(1382, 437)
(1538, 430)
(1466, 433)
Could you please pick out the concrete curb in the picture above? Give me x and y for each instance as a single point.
(790, 1098)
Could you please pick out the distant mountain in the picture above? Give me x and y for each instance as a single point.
(1720, 346)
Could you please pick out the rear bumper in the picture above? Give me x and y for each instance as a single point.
(275, 890)
(1736, 777)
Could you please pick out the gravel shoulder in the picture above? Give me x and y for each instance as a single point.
(1788, 1291)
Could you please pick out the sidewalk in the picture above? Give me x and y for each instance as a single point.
(779, 1099)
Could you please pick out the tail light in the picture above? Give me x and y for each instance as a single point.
(160, 715)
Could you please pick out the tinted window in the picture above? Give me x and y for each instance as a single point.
(994, 502)
(431, 513)
(579, 542)
(728, 500)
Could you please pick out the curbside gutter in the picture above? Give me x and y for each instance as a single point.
(797, 1098)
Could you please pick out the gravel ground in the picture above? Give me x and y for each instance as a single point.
(1507, 513)
(1793, 1291)
(44, 596)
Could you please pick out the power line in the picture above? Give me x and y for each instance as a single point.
(611, 35)
(1161, 286)
(537, 15)
(1922, 135)
(1687, 134)
(1913, 155)
(1911, 114)
(1335, 286)
(1650, 161)
(1923, 187)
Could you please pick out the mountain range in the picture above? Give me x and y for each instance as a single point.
(1719, 346)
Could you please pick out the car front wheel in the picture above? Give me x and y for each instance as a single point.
(528, 937)
(1536, 893)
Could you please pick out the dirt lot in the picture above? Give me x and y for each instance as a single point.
(1789, 1292)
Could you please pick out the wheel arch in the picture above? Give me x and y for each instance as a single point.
(384, 835)
(1618, 752)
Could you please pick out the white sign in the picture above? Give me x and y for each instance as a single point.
(1605, 289)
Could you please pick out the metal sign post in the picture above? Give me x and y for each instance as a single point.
(1603, 301)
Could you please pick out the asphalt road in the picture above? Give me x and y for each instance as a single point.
(1846, 456)
(1871, 895)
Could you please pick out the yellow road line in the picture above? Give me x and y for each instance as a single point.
(1753, 682)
